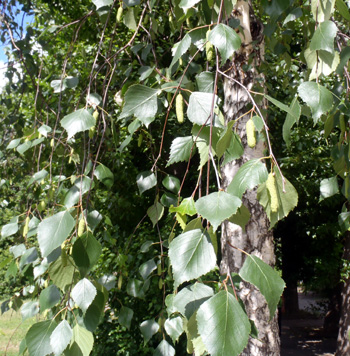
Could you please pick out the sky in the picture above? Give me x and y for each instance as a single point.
(3, 58)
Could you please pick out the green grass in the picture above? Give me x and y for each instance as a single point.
(12, 331)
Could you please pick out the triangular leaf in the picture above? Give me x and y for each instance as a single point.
(142, 102)
(125, 316)
(192, 255)
(83, 294)
(38, 338)
(148, 329)
(223, 325)
(186, 207)
(265, 278)
(190, 298)
(53, 231)
(291, 120)
(145, 181)
(174, 327)
(77, 121)
(217, 207)
(155, 212)
(323, 37)
(225, 39)
(249, 175)
(181, 149)
(104, 175)
(83, 339)
(180, 48)
(49, 297)
(317, 97)
(328, 187)
(164, 349)
(61, 337)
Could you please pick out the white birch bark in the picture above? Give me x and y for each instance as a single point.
(257, 239)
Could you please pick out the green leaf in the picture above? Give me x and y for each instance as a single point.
(38, 176)
(147, 268)
(223, 325)
(155, 212)
(328, 188)
(77, 121)
(343, 9)
(217, 207)
(61, 85)
(29, 309)
(225, 39)
(148, 329)
(145, 181)
(104, 175)
(164, 349)
(241, 218)
(186, 4)
(186, 207)
(192, 255)
(9, 230)
(86, 252)
(49, 297)
(265, 278)
(321, 62)
(13, 144)
(102, 3)
(171, 183)
(95, 312)
(225, 140)
(18, 250)
(28, 257)
(287, 200)
(205, 82)
(142, 102)
(83, 339)
(234, 151)
(323, 37)
(83, 294)
(174, 327)
(61, 337)
(38, 338)
(180, 48)
(200, 107)
(53, 231)
(125, 316)
(181, 149)
(317, 97)
(322, 9)
(135, 288)
(293, 15)
(44, 130)
(81, 186)
(282, 106)
(291, 120)
(168, 199)
(190, 298)
(249, 175)
(62, 272)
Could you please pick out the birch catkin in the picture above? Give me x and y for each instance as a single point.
(179, 107)
(272, 189)
(250, 129)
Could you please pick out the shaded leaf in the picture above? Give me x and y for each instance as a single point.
(125, 316)
(49, 297)
(180, 48)
(155, 212)
(147, 268)
(164, 349)
(38, 338)
(171, 183)
(104, 175)
(291, 120)
(38, 176)
(29, 309)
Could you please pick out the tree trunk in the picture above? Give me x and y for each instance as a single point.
(257, 239)
(343, 344)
